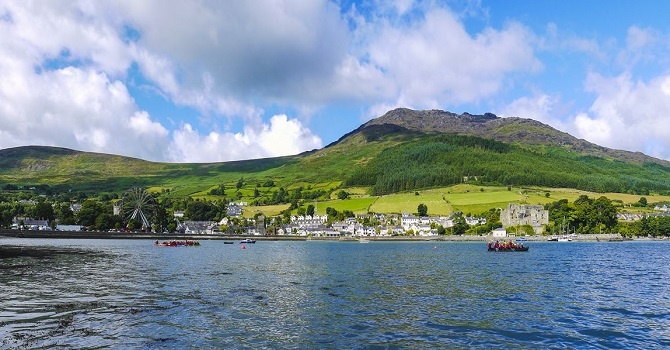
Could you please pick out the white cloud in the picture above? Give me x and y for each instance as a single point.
(281, 137)
(63, 65)
(540, 107)
(66, 67)
(434, 61)
(72, 101)
(79, 109)
(278, 50)
(628, 114)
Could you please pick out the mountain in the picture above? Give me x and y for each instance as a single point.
(402, 150)
(509, 130)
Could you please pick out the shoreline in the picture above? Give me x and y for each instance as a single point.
(205, 237)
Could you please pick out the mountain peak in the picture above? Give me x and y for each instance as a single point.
(488, 125)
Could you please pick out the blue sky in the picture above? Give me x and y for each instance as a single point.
(203, 81)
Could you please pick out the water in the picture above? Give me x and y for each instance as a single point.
(334, 295)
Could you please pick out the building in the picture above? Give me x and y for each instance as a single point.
(520, 214)
(499, 233)
(234, 210)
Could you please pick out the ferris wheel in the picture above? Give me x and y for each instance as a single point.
(138, 204)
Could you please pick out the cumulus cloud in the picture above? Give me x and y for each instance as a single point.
(282, 136)
(628, 114)
(64, 66)
(433, 61)
(274, 50)
(48, 97)
(70, 68)
(540, 107)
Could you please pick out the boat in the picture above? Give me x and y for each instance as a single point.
(177, 243)
(517, 249)
(560, 239)
(363, 240)
(521, 239)
(228, 242)
(506, 246)
(247, 240)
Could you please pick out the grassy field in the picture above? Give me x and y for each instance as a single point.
(267, 210)
(469, 199)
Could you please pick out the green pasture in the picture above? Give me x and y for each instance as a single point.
(469, 199)
(409, 201)
(267, 210)
(356, 205)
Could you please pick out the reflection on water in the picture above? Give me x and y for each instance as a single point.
(130, 294)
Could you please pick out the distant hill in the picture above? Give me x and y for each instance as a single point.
(509, 130)
(402, 150)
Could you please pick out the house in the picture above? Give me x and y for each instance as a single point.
(234, 210)
(30, 224)
(407, 220)
(197, 227)
(499, 233)
(309, 221)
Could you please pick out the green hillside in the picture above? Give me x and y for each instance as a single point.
(451, 159)
(391, 154)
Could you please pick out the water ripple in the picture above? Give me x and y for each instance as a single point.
(129, 294)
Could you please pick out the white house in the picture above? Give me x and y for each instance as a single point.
(499, 233)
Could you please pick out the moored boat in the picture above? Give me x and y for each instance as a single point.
(247, 240)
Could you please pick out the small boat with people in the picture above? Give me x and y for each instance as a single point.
(247, 240)
(177, 243)
(506, 246)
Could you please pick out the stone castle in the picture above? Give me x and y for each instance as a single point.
(520, 214)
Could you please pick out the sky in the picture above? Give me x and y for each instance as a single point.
(213, 81)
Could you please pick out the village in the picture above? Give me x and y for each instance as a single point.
(360, 225)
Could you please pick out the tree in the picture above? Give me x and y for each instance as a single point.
(89, 212)
(65, 215)
(104, 221)
(44, 211)
(460, 226)
(643, 201)
(310, 210)
(6, 215)
(200, 211)
(240, 183)
(422, 209)
(342, 195)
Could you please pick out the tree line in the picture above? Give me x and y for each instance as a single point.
(449, 159)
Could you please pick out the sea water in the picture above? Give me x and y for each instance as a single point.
(130, 294)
